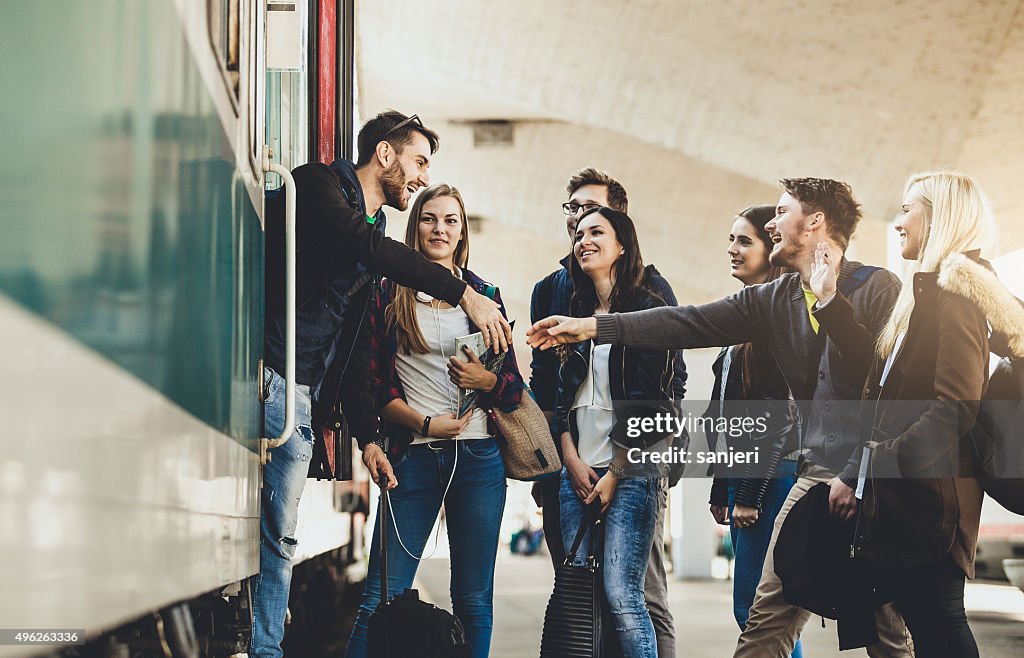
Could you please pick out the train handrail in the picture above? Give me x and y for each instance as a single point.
(289, 305)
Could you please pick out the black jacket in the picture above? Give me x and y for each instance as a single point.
(812, 560)
(552, 296)
(340, 257)
(770, 399)
(640, 379)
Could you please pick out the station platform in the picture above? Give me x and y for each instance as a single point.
(702, 611)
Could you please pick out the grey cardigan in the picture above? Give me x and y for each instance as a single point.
(775, 314)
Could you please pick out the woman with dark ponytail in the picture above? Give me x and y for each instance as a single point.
(747, 384)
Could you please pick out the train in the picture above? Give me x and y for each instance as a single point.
(139, 136)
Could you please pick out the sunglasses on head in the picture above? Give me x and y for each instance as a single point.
(403, 124)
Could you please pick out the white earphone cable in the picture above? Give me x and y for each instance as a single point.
(451, 403)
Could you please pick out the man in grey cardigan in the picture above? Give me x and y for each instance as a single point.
(779, 315)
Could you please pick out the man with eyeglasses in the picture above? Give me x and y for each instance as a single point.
(590, 188)
(342, 252)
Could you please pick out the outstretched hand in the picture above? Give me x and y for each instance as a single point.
(824, 272)
(559, 330)
(486, 314)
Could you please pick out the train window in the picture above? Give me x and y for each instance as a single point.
(223, 20)
(287, 84)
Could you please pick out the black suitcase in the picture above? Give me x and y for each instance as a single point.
(405, 626)
(575, 624)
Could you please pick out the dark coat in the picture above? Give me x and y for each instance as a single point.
(775, 315)
(922, 500)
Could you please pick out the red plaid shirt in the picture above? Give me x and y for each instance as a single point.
(386, 386)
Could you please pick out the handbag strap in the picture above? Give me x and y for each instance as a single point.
(591, 515)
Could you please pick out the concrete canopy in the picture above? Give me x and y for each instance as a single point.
(699, 108)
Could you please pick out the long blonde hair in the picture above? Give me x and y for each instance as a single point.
(958, 219)
(400, 314)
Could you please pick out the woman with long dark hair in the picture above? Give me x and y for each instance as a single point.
(601, 389)
(748, 383)
(920, 503)
(438, 456)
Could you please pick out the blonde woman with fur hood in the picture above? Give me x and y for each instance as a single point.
(925, 376)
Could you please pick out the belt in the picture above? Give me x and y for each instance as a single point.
(438, 445)
(435, 446)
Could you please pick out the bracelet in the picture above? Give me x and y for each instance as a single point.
(426, 426)
(617, 471)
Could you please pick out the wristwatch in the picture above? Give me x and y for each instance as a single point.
(426, 427)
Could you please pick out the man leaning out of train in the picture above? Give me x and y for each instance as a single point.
(928, 370)
(342, 250)
(439, 455)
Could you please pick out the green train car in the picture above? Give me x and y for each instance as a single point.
(132, 189)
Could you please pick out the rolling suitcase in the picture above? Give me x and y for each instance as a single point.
(405, 626)
(574, 625)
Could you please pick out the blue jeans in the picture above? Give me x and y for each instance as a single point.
(750, 544)
(473, 509)
(284, 477)
(629, 531)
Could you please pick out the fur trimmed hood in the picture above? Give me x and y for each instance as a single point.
(964, 276)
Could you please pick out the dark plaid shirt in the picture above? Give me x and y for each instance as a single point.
(386, 386)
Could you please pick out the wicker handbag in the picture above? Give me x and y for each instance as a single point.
(525, 441)
(573, 620)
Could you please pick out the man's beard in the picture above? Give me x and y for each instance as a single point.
(782, 257)
(393, 183)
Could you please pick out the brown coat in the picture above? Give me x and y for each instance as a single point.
(922, 501)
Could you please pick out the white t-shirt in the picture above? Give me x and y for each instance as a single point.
(424, 377)
(595, 415)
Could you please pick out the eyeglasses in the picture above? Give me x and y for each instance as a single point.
(403, 124)
(572, 209)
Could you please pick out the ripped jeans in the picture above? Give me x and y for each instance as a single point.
(284, 477)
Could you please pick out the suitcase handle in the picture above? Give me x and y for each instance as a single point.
(591, 517)
(384, 509)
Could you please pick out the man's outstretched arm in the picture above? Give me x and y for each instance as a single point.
(739, 318)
